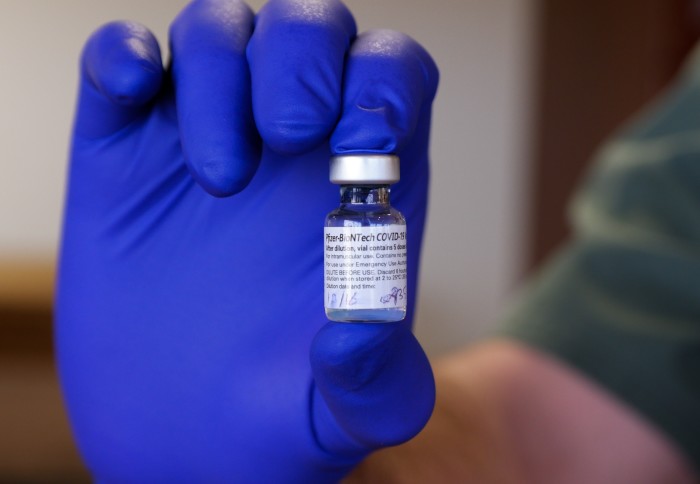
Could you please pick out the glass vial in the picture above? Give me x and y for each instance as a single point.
(365, 273)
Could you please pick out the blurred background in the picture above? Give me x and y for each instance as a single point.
(529, 89)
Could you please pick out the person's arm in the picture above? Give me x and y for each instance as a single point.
(508, 414)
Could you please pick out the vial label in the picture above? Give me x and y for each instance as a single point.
(365, 267)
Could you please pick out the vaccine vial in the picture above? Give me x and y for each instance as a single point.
(365, 273)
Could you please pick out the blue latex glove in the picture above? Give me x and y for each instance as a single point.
(191, 335)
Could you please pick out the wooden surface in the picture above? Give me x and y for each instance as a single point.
(26, 283)
(36, 444)
(26, 296)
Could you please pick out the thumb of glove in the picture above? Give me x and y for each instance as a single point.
(373, 387)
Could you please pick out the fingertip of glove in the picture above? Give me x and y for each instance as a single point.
(386, 43)
(133, 85)
(390, 83)
(122, 60)
(293, 137)
(220, 179)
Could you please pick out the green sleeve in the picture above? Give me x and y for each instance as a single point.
(621, 302)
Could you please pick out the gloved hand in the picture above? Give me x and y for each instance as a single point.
(191, 336)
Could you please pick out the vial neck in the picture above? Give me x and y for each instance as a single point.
(364, 194)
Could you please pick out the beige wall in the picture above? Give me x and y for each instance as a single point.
(474, 241)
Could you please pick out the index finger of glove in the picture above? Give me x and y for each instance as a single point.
(212, 88)
(296, 58)
(390, 83)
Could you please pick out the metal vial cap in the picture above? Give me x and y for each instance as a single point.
(368, 169)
